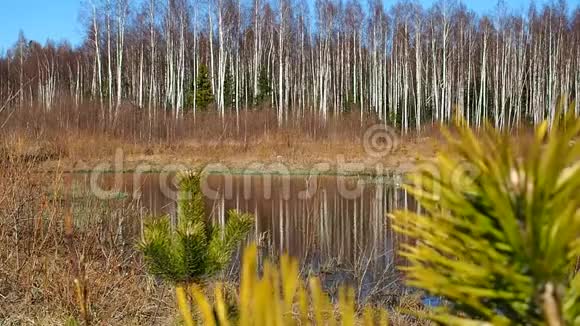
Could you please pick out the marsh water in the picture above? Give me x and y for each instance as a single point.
(328, 222)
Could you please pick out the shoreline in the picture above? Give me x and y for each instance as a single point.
(265, 156)
(279, 168)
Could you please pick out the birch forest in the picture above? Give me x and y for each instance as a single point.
(405, 64)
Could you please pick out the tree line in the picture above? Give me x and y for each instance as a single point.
(406, 65)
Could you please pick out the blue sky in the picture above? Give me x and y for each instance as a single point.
(59, 19)
(39, 19)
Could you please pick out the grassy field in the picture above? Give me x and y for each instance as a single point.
(40, 258)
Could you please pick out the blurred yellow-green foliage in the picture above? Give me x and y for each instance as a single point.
(278, 297)
(499, 238)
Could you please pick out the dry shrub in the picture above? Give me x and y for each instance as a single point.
(39, 265)
(88, 131)
(134, 124)
(85, 135)
(16, 148)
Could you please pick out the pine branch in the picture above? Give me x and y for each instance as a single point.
(225, 241)
(492, 242)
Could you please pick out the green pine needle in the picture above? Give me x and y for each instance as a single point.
(499, 239)
(195, 250)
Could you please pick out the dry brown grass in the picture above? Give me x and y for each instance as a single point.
(39, 266)
(80, 139)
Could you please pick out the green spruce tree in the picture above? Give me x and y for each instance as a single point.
(264, 89)
(229, 94)
(203, 95)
